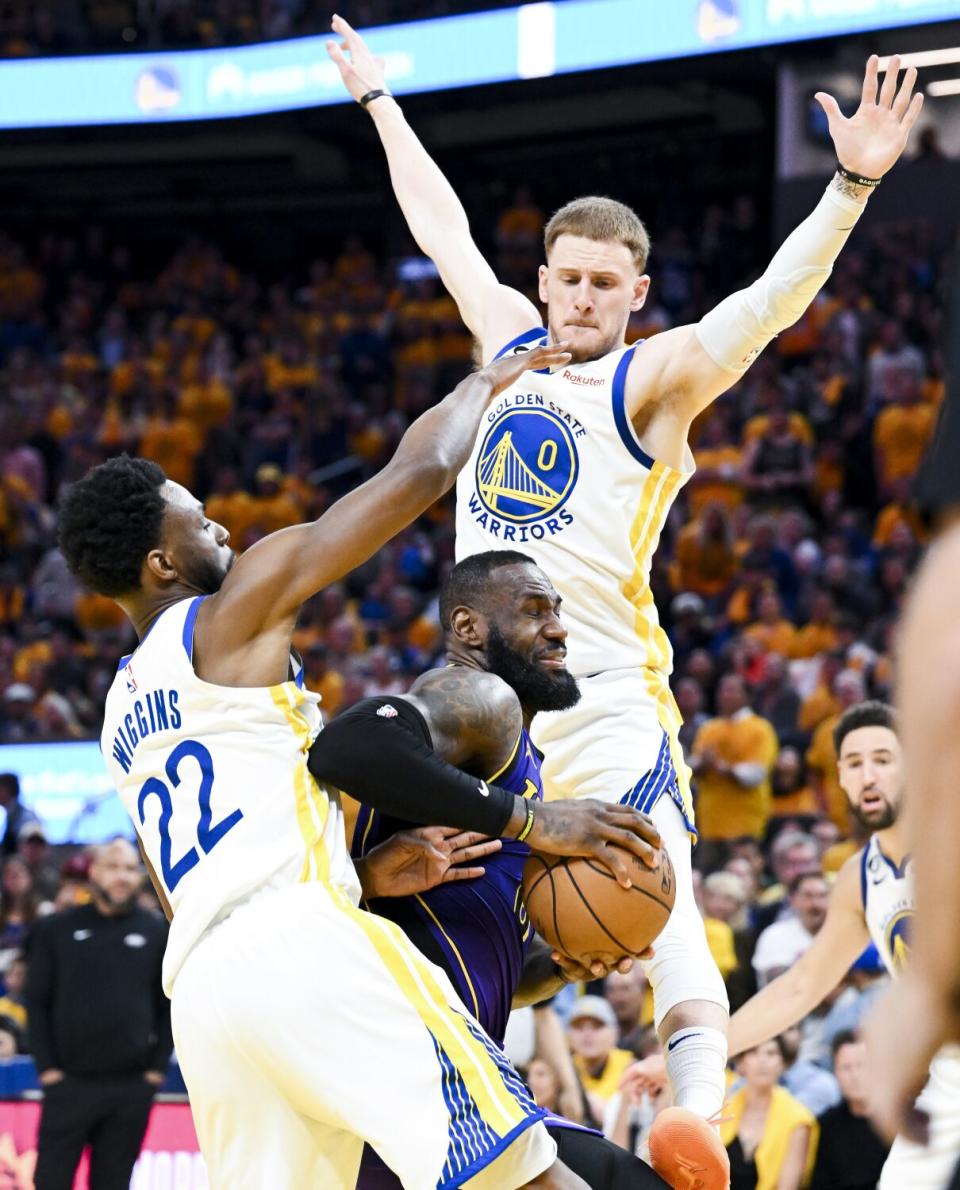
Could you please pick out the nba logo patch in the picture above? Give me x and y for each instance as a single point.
(387, 711)
(131, 681)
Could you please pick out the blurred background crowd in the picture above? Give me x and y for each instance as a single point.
(780, 577)
(50, 27)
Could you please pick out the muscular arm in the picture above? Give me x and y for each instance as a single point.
(494, 313)
(474, 717)
(541, 977)
(243, 632)
(680, 372)
(791, 996)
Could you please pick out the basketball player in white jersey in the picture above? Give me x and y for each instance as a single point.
(873, 898)
(303, 1025)
(580, 468)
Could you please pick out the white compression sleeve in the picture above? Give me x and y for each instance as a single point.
(735, 332)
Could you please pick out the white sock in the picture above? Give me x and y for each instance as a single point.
(696, 1059)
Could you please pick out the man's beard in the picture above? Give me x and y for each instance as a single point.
(874, 821)
(120, 904)
(537, 689)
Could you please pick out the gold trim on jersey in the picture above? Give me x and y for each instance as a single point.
(454, 948)
(313, 806)
(656, 497)
(415, 977)
(510, 759)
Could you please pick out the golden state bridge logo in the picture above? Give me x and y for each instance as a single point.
(898, 939)
(526, 470)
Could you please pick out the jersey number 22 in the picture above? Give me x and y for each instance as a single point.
(208, 834)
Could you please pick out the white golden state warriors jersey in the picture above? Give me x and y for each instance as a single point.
(215, 779)
(888, 902)
(557, 472)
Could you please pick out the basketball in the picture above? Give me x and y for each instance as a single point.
(579, 908)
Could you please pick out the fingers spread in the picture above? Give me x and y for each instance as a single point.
(453, 874)
(902, 101)
(889, 88)
(913, 111)
(613, 861)
(477, 851)
(869, 95)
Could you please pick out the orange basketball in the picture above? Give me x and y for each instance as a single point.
(578, 907)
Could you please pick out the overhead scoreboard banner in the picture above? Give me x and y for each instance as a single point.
(530, 41)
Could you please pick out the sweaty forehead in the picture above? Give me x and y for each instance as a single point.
(600, 256)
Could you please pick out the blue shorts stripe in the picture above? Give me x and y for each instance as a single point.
(472, 1142)
(650, 787)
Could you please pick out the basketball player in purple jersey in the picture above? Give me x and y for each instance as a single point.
(580, 467)
(506, 661)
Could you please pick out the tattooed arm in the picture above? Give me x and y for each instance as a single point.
(474, 717)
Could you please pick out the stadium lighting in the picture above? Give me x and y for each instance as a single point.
(944, 87)
(926, 58)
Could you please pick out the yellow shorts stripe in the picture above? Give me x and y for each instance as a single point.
(313, 806)
(414, 977)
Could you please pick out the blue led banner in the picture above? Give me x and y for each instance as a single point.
(68, 788)
(534, 40)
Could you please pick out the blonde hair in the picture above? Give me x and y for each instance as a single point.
(597, 218)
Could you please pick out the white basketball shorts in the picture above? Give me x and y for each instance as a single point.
(305, 1026)
(620, 744)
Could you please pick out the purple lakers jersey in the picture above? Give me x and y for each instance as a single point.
(476, 930)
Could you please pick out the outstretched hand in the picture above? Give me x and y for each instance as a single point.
(871, 140)
(417, 860)
(508, 369)
(362, 71)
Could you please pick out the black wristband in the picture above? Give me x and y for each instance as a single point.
(380, 752)
(371, 96)
(857, 179)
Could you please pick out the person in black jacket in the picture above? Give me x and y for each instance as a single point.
(99, 1026)
(850, 1155)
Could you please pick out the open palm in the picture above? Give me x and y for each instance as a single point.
(871, 140)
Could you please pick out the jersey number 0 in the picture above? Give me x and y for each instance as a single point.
(208, 834)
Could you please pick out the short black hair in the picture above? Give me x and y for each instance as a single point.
(109, 521)
(12, 783)
(872, 713)
(469, 579)
(844, 1037)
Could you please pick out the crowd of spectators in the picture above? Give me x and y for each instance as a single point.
(780, 576)
(51, 27)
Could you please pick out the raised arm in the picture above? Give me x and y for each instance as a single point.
(681, 371)
(243, 632)
(791, 996)
(494, 313)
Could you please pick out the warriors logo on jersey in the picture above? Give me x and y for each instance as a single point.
(898, 939)
(527, 465)
(888, 905)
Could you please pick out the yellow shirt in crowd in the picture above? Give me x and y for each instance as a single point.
(607, 1083)
(725, 808)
